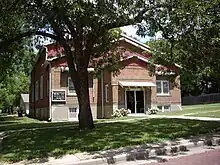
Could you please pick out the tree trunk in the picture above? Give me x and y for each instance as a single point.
(79, 75)
(82, 90)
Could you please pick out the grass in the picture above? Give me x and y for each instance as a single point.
(31, 144)
(9, 123)
(12, 123)
(189, 110)
(208, 114)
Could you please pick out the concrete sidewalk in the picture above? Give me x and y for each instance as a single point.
(184, 117)
(130, 154)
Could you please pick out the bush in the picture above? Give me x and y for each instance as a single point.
(121, 113)
(160, 151)
(153, 110)
(208, 142)
(182, 148)
(218, 141)
(173, 150)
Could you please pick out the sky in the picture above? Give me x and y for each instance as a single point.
(131, 31)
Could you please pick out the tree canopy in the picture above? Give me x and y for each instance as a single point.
(191, 38)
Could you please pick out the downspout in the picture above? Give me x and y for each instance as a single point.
(102, 89)
(49, 87)
(50, 100)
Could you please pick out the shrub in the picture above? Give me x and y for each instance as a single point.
(182, 148)
(173, 150)
(121, 113)
(160, 151)
(208, 142)
(218, 141)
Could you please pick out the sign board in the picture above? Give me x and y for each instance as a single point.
(59, 95)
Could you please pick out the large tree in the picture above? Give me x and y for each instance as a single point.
(83, 28)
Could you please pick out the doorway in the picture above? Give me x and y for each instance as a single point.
(135, 101)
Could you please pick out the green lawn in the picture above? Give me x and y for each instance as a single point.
(11, 123)
(8, 123)
(187, 110)
(207, 114)
(21, 145)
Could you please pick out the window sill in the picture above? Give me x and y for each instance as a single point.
(71, 94)
(163, 95)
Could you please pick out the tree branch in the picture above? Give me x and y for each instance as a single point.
(5, 43)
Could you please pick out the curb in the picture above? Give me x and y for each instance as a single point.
(145, 154)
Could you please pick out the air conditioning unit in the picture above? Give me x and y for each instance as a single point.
(58, 95)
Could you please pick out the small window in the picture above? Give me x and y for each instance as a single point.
(164, 108)
(41, 87)
(160, 107)
(71, 87)
(106, 92)
(163, 87)
(36, 90)
(72, 112)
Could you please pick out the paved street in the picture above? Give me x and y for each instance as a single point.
(207, 158)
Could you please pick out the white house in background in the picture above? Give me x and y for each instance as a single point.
(24, 103)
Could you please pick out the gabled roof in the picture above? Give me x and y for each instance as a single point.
(130, 55)
(146, 60)
(53, 49)
(135, 42)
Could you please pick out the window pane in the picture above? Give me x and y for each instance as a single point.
(72, 112)
(71, 86)
(165, 87)
(158, 87)
(159, 107)
(166, 107)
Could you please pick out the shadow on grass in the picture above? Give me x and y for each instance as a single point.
(10, 123)
(44, 143)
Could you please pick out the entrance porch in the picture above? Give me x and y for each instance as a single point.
(137, 96)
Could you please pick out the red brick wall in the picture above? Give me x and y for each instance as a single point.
(36, 73)
(60, 81)
(135, 70)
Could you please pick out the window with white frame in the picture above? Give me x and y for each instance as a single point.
(71, 87)
(41, 87)
(36, 90)
(164, 108)
(73, 113)
(162, 87)
(106, 92)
